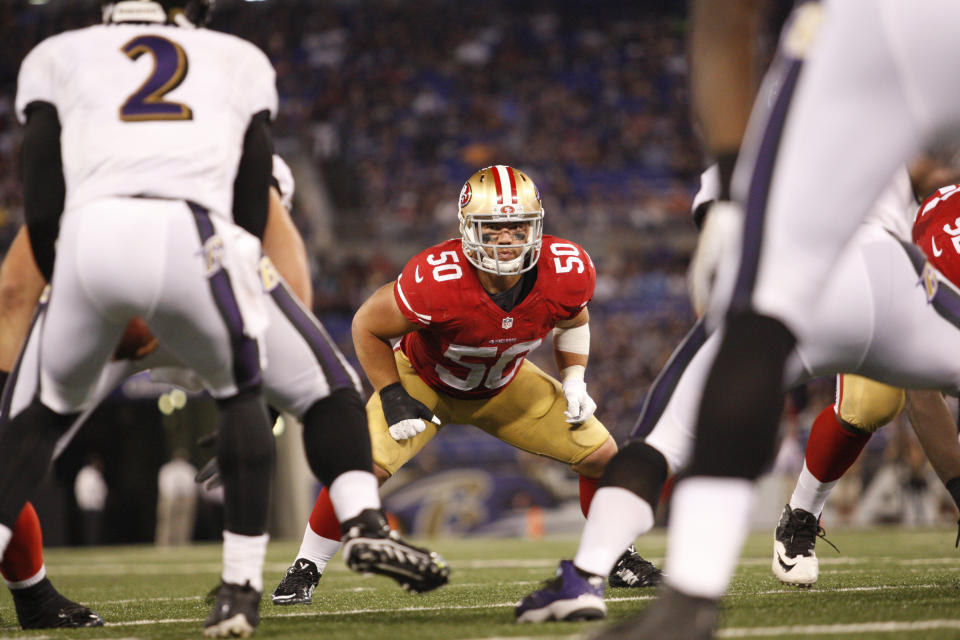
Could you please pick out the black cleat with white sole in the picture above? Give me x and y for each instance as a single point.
(632, 570)
(371, 546)
(41, 606)
(236, 612)
(298, 583)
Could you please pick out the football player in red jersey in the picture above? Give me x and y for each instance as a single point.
(467, 312)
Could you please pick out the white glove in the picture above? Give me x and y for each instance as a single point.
(405, 414)
(408, 428)
(720, 236)
(580, 406)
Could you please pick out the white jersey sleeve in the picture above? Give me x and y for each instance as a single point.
(37, 78)
(149, 110)
(709, 187)
(284, 179)
(896, 206)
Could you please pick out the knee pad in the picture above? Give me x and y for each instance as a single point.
(866, 405)
(335, 435)
(638, 468)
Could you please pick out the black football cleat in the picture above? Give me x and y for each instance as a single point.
(298, 584)
(371, 546)
(41, 606)
(235, 614)
(632, 570)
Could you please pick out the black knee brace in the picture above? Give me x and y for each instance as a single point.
(246, 455)
(335, 435)
(743, 399)
(638, 468)
(26, 450)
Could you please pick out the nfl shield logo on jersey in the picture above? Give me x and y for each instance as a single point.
(507, 323)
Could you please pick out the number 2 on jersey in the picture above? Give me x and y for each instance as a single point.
(169, 70)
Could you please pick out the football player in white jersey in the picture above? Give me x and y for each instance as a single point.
(146, 159)
(858, 87)
(842, 429)
(307, 377)
(662, 438)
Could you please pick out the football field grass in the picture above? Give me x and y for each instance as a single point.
(886, 583)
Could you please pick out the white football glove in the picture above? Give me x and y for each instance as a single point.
(405, 414)
(408, 428)
(720, 235)
(580, 406)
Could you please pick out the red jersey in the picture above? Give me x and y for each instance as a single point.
(937, 230)
(468, 347)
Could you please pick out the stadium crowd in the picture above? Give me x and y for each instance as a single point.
(394, 122)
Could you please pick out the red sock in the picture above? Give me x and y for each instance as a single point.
(323, 519)
(24, 555)
(588, 487)
(832, 447)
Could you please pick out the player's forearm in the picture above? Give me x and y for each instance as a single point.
(376, 358)
(21, 284)
(284, 246)
(723, 77)
(936, 430)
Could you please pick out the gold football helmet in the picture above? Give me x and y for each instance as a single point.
(495, 195)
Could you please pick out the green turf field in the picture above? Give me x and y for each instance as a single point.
(887, 583)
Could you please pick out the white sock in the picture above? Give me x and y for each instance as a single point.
(5, 535)
(317, 549)
(352, 492)
(617, 517)
(810, 494)
(709, 519)
(29, 582)
(243, 559)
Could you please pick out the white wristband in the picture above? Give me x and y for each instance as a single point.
(573, 340)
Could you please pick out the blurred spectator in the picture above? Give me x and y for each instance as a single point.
(91, 491)
(176, 501)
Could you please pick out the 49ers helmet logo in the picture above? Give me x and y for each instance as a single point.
(465, 194)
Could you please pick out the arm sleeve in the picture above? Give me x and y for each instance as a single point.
(43, 184)
(251, 188)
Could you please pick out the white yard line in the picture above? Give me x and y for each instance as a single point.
(837, 629)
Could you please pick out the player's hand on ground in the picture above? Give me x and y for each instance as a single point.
(404, 414)
(137, 341)
(580, 406)
(720, 235)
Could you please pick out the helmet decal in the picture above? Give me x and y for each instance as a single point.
(503, 177)
(465, 194)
